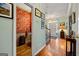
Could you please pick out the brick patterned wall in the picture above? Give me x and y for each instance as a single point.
(23, 21)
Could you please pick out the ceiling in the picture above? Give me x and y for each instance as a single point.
(24, 7)
(56, 9)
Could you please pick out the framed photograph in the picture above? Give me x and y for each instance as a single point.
(42, 24)
(6, 10)
(70, 24)
(73, 17)
(43, 16)
(42, 20)
(38, 13)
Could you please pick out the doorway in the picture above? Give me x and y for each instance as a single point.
(23, 30)
(62, 34)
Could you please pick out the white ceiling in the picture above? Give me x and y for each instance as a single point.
(56, 9)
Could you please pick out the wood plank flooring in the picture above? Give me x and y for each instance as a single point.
(24, 50)
(56, 47)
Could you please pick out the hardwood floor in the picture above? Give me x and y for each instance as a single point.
(56, 47)
(24, 50)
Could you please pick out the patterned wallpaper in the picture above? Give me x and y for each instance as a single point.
(23, 20)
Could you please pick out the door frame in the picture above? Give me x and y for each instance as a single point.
(14, 27)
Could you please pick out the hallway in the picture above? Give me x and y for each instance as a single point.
(39, 29)
(55, 47)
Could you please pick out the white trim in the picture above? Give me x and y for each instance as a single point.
(69, 9)
(25, 7)
(39, 50)
(14, 31)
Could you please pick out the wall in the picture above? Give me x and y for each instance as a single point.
(23, 22)
(77, 47)
(61, 20)
(6, 35)
(38, 34)
(74, 8)
(53, 28)
(23, 18)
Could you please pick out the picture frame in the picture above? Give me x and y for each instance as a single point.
(73, 17)
(42, 20)
(43, 16)
(42, 24)
(6, 10)
(70, 24)
(38, 13)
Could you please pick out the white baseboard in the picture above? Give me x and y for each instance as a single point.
(39, 50)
